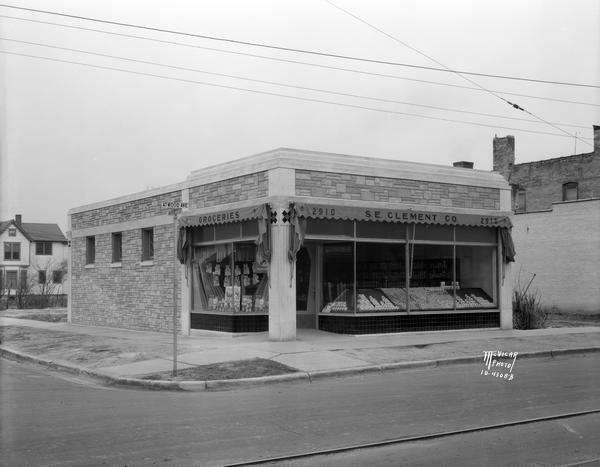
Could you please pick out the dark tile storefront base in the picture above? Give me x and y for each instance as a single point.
(230, 323)
(407, 323)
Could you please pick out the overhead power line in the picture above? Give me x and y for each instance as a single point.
(458, 73)
(287, 96)
(290, 49)
(276, 83)
(284, 60)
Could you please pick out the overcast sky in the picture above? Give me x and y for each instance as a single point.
(72, 134)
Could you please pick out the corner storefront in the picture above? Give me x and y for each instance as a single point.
(294, 239)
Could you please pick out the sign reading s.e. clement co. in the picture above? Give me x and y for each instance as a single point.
(398, 215)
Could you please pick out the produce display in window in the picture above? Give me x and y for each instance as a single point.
(341, 304)
(473, 298)
(374, 300)
(421, 298)
(228, 286)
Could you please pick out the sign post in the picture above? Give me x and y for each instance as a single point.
(174, 209)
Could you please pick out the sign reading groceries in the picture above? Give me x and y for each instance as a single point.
(398, 215)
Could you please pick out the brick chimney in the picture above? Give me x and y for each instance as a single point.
(596, 138)
(18, 219)
(463, 164)
(504, 155)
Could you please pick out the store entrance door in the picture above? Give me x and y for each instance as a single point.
(305, 288)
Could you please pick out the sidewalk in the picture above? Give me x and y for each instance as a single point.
(122, 356)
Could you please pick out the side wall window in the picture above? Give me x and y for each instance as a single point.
(117, 247)
(147, 244)
(90, 250)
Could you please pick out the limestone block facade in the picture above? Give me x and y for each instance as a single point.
(137, 293)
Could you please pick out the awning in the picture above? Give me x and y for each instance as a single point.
(223, 216)
(260, 213)
(323, 211)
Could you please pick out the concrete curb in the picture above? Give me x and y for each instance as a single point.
(300, 376)
(227, 384)
(17, 356)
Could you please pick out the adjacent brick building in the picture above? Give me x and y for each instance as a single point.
(293, 238)
(557, 226)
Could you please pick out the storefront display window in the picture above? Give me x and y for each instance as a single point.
(380, 277)
(477, 278)
(431, 277)
(405, 267)
(338, 277)
(230, 280)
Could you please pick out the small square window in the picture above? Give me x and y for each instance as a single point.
(520, 201)
(12, 232)
(57, 277)
(147, 244)
(43, 248)
(117, 247)
(42, 277)
(90, 250)
(570, 191)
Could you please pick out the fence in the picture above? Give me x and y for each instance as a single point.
(34, 301)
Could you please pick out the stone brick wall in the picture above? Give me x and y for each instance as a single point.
(392, 190)
(121, 212)
(131, 296)
(562, 247)
(229, 191)
(543, 180)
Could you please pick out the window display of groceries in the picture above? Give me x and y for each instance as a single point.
(373, 300)
(421, 298)
(473, 298)
(341, 304)
(233, 290)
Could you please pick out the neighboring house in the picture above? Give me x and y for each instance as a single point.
(34, 254)
(557, 226)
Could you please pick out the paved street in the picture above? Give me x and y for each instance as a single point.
(50, 419)
(556, 442)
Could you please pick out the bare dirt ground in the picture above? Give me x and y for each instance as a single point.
(226, 370)
(563, 320)
(53, 315)
(80, 349)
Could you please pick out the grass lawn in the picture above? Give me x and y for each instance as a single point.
(253, 368)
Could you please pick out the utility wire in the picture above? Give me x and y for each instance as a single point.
(289, 49)
(317, 65)
(275, 83)
(287, 96)
(458, 73)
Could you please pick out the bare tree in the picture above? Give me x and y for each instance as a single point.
(50, 278)
(23, 289)
(3, 289)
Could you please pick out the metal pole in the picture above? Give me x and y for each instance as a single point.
(175, 271)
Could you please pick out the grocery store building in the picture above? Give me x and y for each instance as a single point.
(292, 239)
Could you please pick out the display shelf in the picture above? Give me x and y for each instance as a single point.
(341, 304)
(374, 300)
(393, 299)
